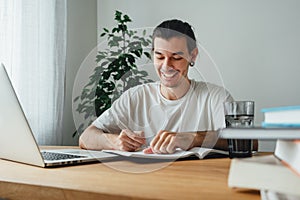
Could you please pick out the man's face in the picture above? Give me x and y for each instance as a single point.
(171, 60)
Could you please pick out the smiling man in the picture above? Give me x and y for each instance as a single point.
(171, 61)
(175, 112)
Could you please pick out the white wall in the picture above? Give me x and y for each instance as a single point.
(81, 39)
(255, 43)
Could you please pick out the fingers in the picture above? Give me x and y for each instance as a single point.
(148, 150)
(130, 141)
(171, 146)
(135, 137)
(164, 142)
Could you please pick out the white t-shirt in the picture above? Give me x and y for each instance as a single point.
(143, 108)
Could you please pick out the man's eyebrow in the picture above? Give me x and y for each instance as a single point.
(180, 53)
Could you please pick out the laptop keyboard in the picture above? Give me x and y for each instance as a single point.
(58, 156)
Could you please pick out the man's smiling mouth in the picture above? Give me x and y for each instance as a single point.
(169, 74)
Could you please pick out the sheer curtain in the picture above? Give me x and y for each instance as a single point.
(33, 48)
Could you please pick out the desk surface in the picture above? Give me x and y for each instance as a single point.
(187, 179)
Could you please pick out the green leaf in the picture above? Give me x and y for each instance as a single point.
(103, 64)
(130, 33)
(76, 99)
(74, 133)
(117, 38)
(126, 18)
(115, 30)
(131, 59)
(122, 27)
(99, 58)
(118, 15)
(105, 75)
(137, 53)
(113, 43)
(144, 73)
(148, 55)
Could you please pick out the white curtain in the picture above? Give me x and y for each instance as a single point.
(33, 48)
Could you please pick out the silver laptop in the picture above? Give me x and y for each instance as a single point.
(17, 142)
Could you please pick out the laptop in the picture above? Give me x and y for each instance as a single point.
(17, 142)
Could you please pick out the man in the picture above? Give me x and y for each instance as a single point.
(175, 112)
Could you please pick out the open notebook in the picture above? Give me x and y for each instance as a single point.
(196, 151)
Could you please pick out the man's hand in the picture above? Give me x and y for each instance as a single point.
(167, 142)
(129, 141)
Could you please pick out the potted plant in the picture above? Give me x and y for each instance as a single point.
(116, 69)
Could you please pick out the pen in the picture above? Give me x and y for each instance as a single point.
(139, 133)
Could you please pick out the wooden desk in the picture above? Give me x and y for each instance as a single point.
(188, 179)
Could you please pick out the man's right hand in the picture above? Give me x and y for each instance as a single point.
(95, 139)
(129, 141)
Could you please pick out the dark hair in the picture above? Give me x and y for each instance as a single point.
(175, 28)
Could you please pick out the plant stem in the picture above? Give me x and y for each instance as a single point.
(124, 50)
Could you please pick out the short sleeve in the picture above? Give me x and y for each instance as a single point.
(112, 120)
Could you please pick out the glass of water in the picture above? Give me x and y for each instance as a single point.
(239, 114)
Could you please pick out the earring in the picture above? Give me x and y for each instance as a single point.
(192, 64)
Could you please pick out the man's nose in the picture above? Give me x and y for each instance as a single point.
(167, 65)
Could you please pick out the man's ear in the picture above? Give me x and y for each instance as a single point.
(194, 54)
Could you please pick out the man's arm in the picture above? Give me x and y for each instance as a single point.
(208, 138)
(95, 139)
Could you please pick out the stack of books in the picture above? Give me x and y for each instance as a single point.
(279, 123)
(277, 175)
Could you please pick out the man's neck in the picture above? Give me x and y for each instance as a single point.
(177, 92)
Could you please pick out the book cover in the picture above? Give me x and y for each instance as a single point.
(273, 195)
(263, 173)
(197, 151)
(261, 133)
(288, 151)
(280, 125)
(287, 116)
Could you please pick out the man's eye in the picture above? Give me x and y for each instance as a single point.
(177, 58)
(159, 57)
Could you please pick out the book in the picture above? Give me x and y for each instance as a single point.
(286, 116)
(288, 151)
(263, 173)
(261, 133)
(273, 195)
(200, 152)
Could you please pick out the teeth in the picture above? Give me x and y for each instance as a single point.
(169, 75)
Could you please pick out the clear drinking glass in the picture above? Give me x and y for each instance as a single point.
(239, 114)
